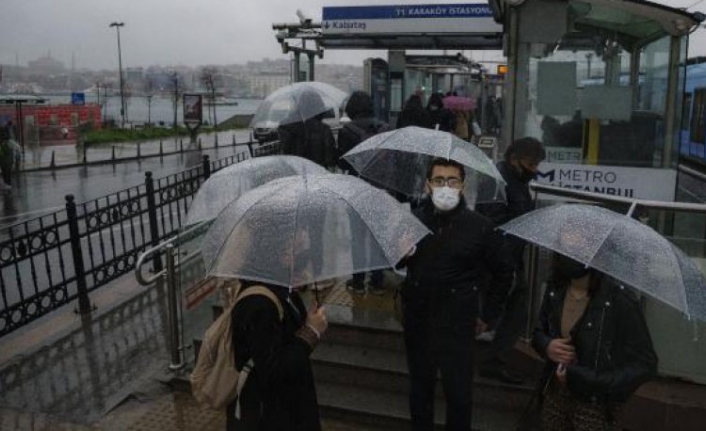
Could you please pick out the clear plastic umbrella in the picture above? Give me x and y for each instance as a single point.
(229, 183)
(620, 247)
(298, 102)
(399, 160)
(302, 229)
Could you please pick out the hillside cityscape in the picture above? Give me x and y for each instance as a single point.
(254, 79)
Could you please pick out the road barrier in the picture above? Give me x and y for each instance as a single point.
(52, 260)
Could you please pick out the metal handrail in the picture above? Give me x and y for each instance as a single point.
(144, 256)
(598, 197)
(169, 273)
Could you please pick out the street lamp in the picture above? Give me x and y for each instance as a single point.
(117, 26)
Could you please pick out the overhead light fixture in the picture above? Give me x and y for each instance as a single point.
(514, 2)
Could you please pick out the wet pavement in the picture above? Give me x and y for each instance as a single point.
(109, 370)
(39, 192)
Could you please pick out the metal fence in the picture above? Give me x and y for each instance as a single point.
(54, 259)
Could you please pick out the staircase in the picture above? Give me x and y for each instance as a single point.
(361, 377)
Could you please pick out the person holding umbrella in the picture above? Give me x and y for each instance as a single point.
(283, 396)
(440, 297)
(304, 133)
(597, 346)
(591, 330)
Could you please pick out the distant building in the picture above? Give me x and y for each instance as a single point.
(264, 83)
(46, 65)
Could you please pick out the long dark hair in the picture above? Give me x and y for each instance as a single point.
(560, 281)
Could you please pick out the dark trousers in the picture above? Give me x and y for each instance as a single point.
(450, 352)
(6, 173)
(510, 326)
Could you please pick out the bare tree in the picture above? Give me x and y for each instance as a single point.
(208, 77)
(176, 89)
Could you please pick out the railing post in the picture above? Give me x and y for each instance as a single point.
(139, 150)
(172, 297)
(112, 156)
(206, 167)
(199, 143)
(152, 216)
(53, 161)
(161, 149)
(84, 304)
(181, 145)
(252, 154)
(234, 139)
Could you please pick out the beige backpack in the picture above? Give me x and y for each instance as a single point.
(215, 381)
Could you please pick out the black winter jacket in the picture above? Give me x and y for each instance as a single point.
(279, 394)
(519, 202)
(311, 139)
(613, 345)
(448, 268)
(353, 133)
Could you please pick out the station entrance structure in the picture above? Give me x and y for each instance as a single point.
(397, 29)
(600, 82)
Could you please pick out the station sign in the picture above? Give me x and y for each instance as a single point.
(410, 19)
(639, 183)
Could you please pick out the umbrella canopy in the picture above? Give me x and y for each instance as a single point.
(301, 229)
(229, 183)
(399, 160)
(298, 102)
(620, 247)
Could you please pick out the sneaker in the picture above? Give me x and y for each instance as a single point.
(486, 336)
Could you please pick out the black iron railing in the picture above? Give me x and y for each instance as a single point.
(51, 260)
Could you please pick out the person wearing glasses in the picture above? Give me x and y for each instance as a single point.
(440, 297)
(520, 166)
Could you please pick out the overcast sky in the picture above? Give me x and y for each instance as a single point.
(172, 32)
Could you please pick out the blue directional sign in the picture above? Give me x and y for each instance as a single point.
(422, 18)
(78, 99)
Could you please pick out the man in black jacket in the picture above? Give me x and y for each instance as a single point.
(309, 138)
(519, 167)
(440, 297)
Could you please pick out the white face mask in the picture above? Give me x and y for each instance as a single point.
(445, 198)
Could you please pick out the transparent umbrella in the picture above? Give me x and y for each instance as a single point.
(229, 183)
(399, 160)
(620, 247)
(298, 102)
(302, 229)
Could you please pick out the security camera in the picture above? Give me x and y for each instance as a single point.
(302, 18)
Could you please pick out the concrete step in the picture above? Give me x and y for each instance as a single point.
(386, 370)
(380, 410)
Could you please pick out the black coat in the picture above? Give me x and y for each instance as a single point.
(613, 345)
(519, 202)
(281, 385)
(311, 139)
(444, 118)
(449, 267)
(353, 133)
